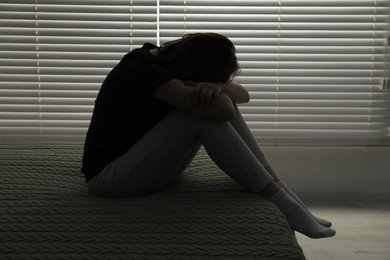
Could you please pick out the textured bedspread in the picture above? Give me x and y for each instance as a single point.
(46, 213)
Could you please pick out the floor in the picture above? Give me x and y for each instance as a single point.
(363, 232)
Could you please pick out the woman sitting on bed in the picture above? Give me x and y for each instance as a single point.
(159, 105)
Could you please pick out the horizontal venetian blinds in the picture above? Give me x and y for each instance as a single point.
(54, 56)
(314, 68)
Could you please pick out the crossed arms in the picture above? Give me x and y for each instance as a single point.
(211, 101)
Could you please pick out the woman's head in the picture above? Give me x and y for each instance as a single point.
(207, 57)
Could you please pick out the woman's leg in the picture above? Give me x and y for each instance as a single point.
(152, 163)
(237, 158)
(243, 130)
(321, 221)
(241, 127)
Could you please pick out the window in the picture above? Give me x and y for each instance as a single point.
(316, 70)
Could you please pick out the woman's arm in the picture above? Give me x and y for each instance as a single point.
(175, 92)
(236, 92)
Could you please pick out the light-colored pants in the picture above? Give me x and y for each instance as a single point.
(169, 147)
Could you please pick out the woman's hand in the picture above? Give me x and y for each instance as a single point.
(205, 94)
(187, 95)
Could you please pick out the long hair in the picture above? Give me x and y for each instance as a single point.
(200, 57)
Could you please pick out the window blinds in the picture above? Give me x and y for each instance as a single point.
(55, 54)
(314, 69)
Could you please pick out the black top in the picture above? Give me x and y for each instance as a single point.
(125, 109)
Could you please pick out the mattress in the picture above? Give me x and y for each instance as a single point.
(47, 213)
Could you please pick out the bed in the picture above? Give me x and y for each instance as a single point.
(46, 213)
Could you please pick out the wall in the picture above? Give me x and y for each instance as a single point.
(334, 174)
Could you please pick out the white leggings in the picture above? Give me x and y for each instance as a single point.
(169, 147)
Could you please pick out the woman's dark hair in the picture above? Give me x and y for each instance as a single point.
(200, 57)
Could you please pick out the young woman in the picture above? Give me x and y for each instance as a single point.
(159, 105)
